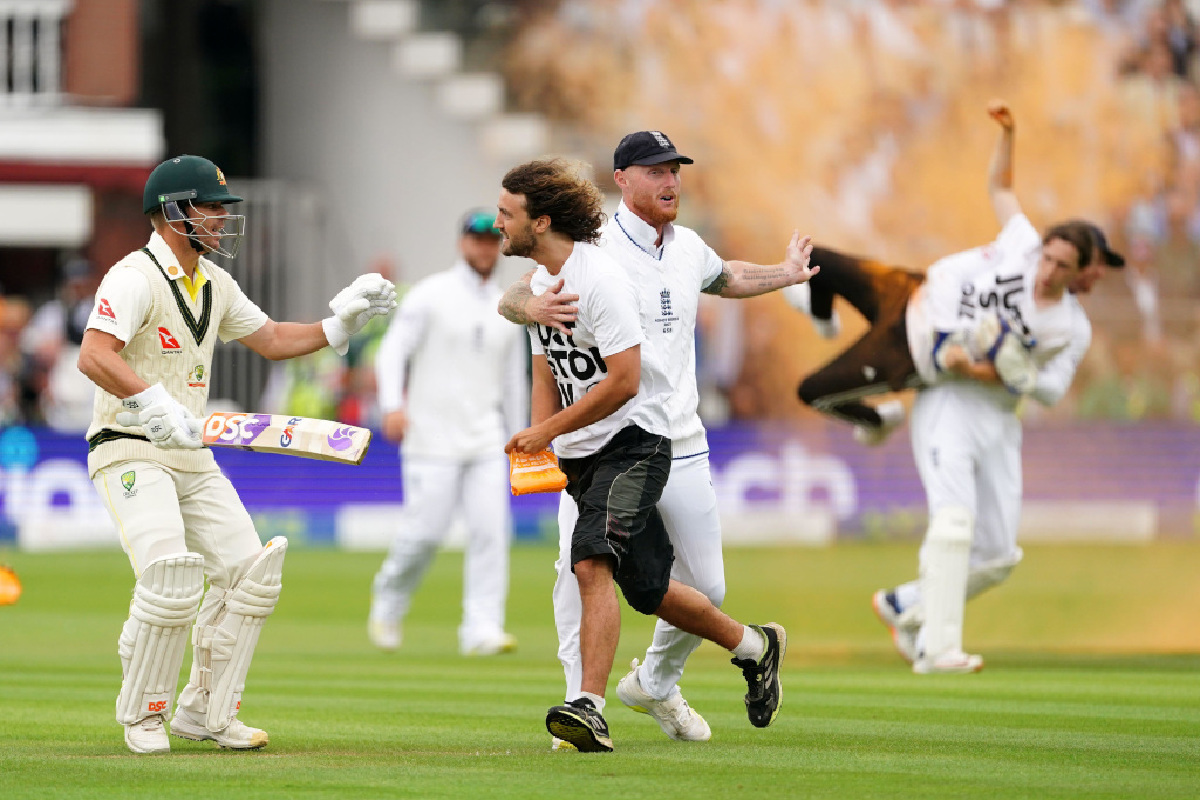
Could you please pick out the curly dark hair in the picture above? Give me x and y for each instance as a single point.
(558, 188)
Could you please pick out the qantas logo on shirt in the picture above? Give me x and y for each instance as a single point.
(103, 309)
(169, 343)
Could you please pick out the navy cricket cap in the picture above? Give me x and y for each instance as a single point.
(1111, 257)
(645, 148)
(481, 222)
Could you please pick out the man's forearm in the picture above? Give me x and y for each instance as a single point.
(1000, 172)
(594, 406)
(743, 279)
(512, 304)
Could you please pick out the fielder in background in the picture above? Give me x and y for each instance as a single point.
(148, 348)
(452, 389)
(669, 266)
(602, 401)
(994, 324)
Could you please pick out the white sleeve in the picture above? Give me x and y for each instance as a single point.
(712, 265)
(404, 335)
(242, 316)
(1055, 376)
(122, 303)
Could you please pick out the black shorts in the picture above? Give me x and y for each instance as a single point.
(616, 490)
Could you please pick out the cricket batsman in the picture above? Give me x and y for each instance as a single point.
(148, 348)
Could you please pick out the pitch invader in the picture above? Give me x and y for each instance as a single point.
(148, 348)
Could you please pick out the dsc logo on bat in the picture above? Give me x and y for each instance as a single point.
(234, 428)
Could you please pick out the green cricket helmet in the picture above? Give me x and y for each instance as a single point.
(192, 180)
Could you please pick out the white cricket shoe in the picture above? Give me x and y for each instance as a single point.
(148, 736)
(237, 735)
(904, 636)
(799, 297)
(954, 663)
(557, 745)
(676, 718)
(384, 634)
(504, 643)
(892, 415)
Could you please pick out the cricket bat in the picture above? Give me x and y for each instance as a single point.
(321, 439)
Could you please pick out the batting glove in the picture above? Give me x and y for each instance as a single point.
(163, 419)
(368, 296)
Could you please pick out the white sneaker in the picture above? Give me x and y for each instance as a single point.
(504, 643)
(955, 663)
(676, 718)
(904, 636)
(892, 415)
(237, 735)
(557, 744)
(799, 297)
(148, 736)
(384, 635)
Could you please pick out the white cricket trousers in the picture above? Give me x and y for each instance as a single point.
(160, 512)
(689, 510)
(434, 489)
(967, 447)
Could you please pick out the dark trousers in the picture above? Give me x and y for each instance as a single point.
(880, 360)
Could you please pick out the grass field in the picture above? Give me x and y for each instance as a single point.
(1092, 689)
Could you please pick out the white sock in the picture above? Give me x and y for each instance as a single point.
(596, 699)
(752, 646)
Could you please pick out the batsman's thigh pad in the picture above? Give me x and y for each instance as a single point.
(225, 646)
(945, 557)
(982, 577)
(165, 600)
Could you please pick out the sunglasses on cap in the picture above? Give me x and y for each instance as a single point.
(480, 222)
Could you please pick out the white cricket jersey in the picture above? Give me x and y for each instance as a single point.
(455, 366)
(668, 279)
(169, 338)
(608, 322)
(1000, 277)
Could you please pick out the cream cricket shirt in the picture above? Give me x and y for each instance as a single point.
(169, 326)
(668, 280)
(455, 366)
(608, 322)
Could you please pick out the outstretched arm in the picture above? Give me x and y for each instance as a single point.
(1000, 175)
(551, 308)
(743, 279)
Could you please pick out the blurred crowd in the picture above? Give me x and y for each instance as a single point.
(859, 121)
(862, 123)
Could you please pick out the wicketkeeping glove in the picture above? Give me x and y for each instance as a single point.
(163, 419)
(1010, 353)
(1014, 364)
(535, 472)
(368, 296)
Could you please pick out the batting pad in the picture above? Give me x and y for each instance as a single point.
(165, 600)
(225, 647)
(944, 579)
(536, 472)
(991, 573)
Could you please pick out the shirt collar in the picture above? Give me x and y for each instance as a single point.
(642, 233)
(165, 256)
